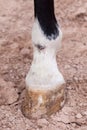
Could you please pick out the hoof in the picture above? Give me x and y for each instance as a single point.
(41, 103)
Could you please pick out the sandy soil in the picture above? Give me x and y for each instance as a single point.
(16, 19)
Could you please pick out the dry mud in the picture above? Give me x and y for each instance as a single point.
(16, 19)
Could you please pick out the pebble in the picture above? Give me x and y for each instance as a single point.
(70, 87)
(25, 51)
(85, 113)
(67, 67)
(81, 104)
(78, 116)
(14, 46)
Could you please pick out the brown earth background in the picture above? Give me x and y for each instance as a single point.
(16, 20)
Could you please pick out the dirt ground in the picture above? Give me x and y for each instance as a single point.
(16, 19)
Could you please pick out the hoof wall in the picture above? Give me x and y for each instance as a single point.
(38, 104)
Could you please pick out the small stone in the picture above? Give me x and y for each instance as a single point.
(85, 113)
(73, 124)
(67, 67)
(25, 51)
(14, 46)
(76, 78)
(70, 87)
(81, 104)
(78, 116)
